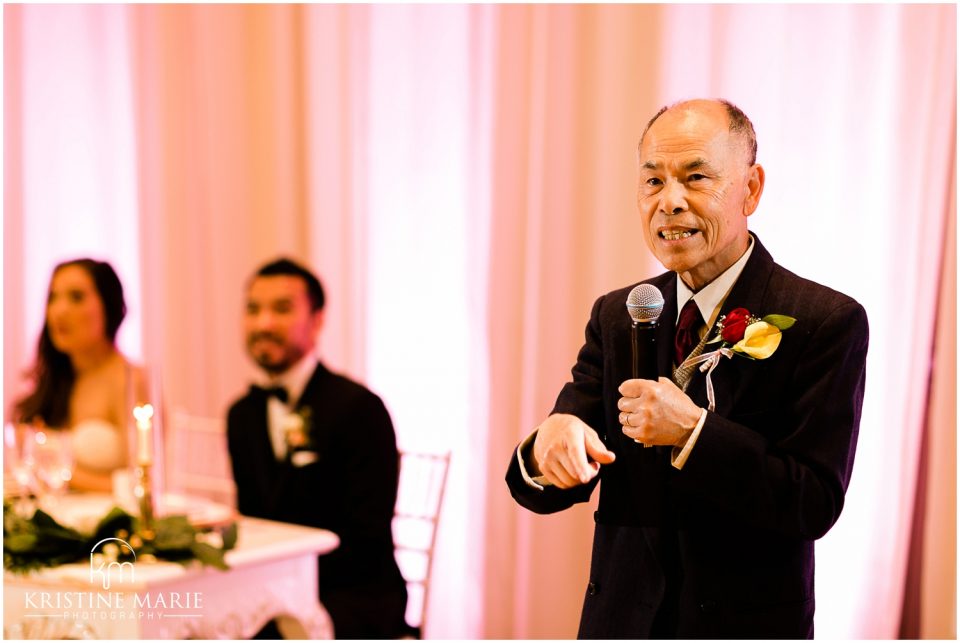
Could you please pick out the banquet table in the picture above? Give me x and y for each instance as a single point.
(273, 573)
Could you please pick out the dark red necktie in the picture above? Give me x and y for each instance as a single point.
(688, 335)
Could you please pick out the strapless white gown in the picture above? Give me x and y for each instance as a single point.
(97, 445)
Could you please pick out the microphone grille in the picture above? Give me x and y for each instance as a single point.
(645, 303)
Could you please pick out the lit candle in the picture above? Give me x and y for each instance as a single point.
(143, 415)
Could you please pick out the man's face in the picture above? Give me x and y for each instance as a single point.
(279, 325)
(696, 190)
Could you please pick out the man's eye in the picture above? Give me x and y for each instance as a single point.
(695, 177)
(653, 181)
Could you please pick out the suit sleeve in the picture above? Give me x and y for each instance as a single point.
(581, 397)
(247, 496)
(795, 484)
(368, 488)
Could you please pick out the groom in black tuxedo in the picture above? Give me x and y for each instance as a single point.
(314, 448)
(710, 532)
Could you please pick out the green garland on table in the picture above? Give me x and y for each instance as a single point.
(40, 541)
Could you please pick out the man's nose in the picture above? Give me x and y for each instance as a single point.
(673, 198)
(263, 320)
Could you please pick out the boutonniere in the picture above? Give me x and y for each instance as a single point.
(750, 336)
(743, 334)
(297, 428)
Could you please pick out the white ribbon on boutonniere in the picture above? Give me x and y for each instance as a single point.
(708, 362)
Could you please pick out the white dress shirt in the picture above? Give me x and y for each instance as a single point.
(294, 379)
(710, 298)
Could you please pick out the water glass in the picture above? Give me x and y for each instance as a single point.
(53, 464)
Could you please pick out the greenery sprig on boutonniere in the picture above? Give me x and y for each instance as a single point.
(740, 333)
(40, 541)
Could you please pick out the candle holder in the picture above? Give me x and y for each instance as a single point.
(143, 485)
(142, 492)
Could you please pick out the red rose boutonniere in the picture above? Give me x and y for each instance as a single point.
(743, 334)
(733, 324)
(750, 336)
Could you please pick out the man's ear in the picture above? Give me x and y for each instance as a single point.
(316, 321)
(755, 181)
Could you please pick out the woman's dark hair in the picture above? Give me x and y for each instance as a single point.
(53, 372)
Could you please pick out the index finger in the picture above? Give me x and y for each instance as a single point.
(578, 464)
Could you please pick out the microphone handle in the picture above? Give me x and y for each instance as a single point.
(644, 345)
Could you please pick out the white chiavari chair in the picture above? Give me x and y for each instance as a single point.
(198, 462)
(423, 478)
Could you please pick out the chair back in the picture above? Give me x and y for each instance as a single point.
(423, 478)
(198, 462)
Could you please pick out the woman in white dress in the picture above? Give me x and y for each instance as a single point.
(83, 384)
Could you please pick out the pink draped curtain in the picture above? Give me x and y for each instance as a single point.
(463, 179)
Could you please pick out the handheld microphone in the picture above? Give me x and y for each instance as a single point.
(644, 304)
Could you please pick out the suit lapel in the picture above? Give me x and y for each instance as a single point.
(260, 462)
(313, 388)
(319, 397)
(258, 431)
(666, 327)
(748, 292)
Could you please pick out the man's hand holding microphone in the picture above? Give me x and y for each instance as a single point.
(653, 411)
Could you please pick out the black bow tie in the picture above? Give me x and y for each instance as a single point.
(276, 391)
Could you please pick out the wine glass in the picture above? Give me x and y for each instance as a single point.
(53, 465)
(19, 481)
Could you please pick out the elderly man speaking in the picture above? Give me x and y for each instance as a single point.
(718, 476)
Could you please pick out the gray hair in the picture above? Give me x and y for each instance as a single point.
(739, 124)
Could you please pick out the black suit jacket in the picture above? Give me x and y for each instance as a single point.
(351, 490)
(724, 547)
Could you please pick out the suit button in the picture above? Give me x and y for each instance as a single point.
(708, 606)
(593, 589)
(596, 516)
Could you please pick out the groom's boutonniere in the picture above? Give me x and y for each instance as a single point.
(740, 333)
(297, 428)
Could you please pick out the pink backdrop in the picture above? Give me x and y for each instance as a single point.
(462, 177)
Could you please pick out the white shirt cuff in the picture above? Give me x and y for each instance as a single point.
(537, 482)
(678, 456)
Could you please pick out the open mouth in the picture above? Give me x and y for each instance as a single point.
(676, 235)
(59, 330)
